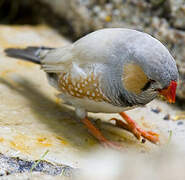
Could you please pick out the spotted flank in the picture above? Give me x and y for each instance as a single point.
(83, 87)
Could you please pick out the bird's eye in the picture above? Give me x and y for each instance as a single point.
(147, 85)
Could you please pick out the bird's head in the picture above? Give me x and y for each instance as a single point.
(136, 82)
(151, 71)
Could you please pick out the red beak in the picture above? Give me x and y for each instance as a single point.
(169, 92)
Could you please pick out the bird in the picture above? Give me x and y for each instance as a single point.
(110, 70)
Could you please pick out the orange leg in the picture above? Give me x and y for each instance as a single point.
(96, 133)
(135, 129)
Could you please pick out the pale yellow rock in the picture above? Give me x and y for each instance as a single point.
(33, 120)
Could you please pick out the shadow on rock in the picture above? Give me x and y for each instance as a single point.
(60, 119)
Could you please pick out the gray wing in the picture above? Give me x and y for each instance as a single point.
(96, 47)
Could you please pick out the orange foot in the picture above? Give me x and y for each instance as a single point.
(135, 129)
(96, 133)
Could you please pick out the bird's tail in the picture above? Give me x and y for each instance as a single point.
(32, 54)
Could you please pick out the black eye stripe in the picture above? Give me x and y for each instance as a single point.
(147, 85)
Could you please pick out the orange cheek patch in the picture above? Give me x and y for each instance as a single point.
(134, 78)
(83, 87)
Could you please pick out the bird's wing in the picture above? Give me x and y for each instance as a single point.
(97, 47)
(57, 60)
(63, 60)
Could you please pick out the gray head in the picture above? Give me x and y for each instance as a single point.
(146, 69)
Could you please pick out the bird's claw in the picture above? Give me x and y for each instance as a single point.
(137, 131)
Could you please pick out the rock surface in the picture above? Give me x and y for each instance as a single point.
(32, 119)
